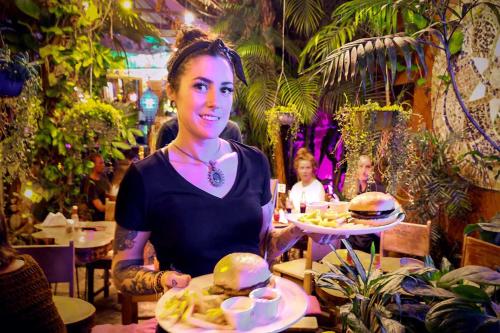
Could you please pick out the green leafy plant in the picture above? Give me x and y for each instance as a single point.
(436, 184)
(413, 299)
(282, 115)
(65, 140)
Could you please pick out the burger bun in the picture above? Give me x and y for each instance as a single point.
(372, 201)
(239, 273)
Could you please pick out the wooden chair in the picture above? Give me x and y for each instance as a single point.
(481, 253)
(56, 261)
(407, 238)
(104, 263)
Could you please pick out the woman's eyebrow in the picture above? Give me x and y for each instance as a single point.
(208, 81)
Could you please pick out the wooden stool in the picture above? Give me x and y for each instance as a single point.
(77, 314)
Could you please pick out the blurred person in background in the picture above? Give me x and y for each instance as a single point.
(26, 303)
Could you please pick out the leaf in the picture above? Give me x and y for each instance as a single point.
(391, 51)
(92, 13)
(29, 8)
(120, 145)
(403, 45)
(391, 326)
(477, 274)
(456, 41)
(471, 293)
(380, 49)
(418, 287)
(357, 263)
(470, 228)
(454, 315)
(421, 81)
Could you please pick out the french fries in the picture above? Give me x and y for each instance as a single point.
(195, 308)
(328, 219)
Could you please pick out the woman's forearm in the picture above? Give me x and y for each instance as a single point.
(281, 240)
(130, 276)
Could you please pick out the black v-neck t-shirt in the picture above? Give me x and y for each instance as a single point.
(192, 229)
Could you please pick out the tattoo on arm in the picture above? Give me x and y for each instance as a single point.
(282, 240)
(124, 239)
(131, 277)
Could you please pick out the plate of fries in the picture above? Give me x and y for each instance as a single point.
(332, 223)
(194, 310)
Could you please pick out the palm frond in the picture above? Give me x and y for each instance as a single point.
(256, 51)
(364, 61)
(303, 93)
(379, 15)
(328, 39)
(304, 16)
(260, 97)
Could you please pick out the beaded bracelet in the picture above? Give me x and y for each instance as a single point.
(158, 280)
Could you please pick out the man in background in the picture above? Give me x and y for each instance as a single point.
(95, 187)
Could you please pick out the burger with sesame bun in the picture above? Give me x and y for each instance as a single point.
(374, 209)
(237, 274)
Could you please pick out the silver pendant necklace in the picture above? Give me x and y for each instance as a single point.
(215, 175)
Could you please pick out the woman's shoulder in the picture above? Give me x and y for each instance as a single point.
(150, 163)
(246, 149)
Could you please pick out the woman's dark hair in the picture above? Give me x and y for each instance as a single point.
(7, 253)
(193, 42)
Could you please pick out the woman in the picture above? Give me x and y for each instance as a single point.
(26, 303)
(200, 197)
(365, 172)
(308, 188)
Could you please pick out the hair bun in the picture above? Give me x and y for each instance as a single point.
(303, 151)
(187, 35)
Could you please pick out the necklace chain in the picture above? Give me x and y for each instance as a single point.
(209, 164)
(215, 175)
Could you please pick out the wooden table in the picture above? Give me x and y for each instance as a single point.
(77, 314)
(90, 245)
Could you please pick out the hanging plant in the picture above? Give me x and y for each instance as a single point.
(282, 115)
(15, 70)
(379, 132)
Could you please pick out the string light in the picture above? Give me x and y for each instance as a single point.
(188, 18)
(126, 4)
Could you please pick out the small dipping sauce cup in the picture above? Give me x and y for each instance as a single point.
(238, 312)
(266, 301)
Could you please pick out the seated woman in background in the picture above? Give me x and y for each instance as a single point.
(365, 171)
(309, 189)
(365, 174)
(26, 303)
(308, 186)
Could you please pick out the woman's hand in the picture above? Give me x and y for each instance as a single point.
(172, 279)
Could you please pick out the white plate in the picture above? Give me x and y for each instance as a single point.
(344, 229)
(292, 307)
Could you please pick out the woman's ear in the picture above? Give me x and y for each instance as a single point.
(170, 92)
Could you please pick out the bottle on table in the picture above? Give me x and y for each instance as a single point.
(288, 204)
(303, 203)
(70, 228)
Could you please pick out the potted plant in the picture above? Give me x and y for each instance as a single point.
(14, 71)
(379, 132)
(414, 299)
